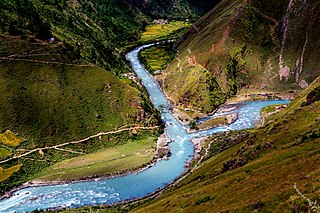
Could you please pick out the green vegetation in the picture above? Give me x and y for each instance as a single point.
(198, 89)
(270, 111)
(61, 103)
(52, 93)
(37, 163)
(254, 28)
(6, 173)
(241, 51)
(50, 97)
(114, 160)
(256, 170)
(52, 90)
(232, 69)
(252, 170)
(213, 122)
(157, 58)
(86, 27)
(167, 31)
(4, 152)
(174, 9)
(193, 125)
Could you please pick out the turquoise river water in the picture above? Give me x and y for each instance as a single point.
(113, 190)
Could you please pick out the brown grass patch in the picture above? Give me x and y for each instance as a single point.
(6, 173)
(10, 139)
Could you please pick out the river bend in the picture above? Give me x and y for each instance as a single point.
(108, 191)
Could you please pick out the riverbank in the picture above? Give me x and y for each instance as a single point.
(162, 152)
(149, 182)
(222, 120)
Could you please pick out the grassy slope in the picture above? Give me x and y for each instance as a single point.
(237, 43)
(115, 160)
(48, 98)
(6, 173)
(174, 9)
(51, 93)
(258, 172)
(48, 105)
(191, 77)
(157, 58)
(84, 25)
(82, 101)
(171, 30)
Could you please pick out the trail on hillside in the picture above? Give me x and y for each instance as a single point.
(179, 61)
(23, 54)
(309, 26)
(274, 38)
(57, 147)
(45, 62)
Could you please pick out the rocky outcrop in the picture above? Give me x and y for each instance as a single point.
(163, 149)
(232, 118)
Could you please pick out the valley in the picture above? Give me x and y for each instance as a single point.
(82, 120)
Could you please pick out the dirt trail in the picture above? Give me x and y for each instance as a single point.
(45, 62)
(206, 152)
(57, 147)
(275, 41)
(179, 61)
(309, 26)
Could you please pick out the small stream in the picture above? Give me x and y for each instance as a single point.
(108, 191)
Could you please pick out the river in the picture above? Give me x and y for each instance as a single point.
(108, 191)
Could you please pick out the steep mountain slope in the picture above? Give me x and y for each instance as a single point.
(243, 47)
(174, 9)
(96, 30)
(48, 99)
(265, 170)
(52, 88)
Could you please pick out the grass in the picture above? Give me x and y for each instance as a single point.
(6, 173)
(214, 37)
(196, 88)
(158, 31)
(88, 31)
(272, 110)
(10, 139)
(39, 162)
(157, 58)
(4, 152)
(55, 100)
(213, 122)
(258, 172)
(114, 160)
(50, 104)
(252, 170)
(270, 181)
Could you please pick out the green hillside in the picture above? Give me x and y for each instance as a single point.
(258, 170)
(68, 113)
(96, 30)
(54, 91)
(50, 104)
(174, 9)
(244, 47)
